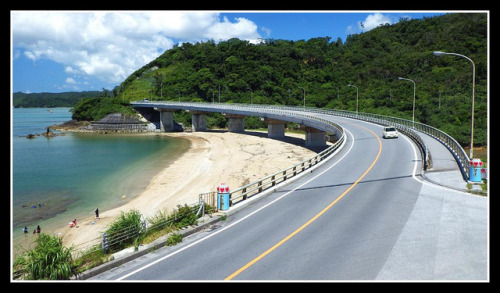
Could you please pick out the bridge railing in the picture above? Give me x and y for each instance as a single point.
(408, 127)
(276, 112)
(272, 180)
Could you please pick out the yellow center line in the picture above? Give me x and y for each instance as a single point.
(230, 277)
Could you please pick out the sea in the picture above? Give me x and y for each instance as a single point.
(57, 179)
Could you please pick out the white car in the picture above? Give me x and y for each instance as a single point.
(390, 132)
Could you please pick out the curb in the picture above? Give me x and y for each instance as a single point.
(475, 190)
(130, 254)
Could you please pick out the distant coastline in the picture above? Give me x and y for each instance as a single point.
(51, 100)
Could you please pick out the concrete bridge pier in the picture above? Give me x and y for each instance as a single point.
(236, 123)
(315, 137)
(166, 120)
(199, 120)
(275, 128)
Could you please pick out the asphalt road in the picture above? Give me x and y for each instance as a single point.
(364, 215)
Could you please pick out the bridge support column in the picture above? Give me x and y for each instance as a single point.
(166, 120)
(315, 137)
(236, 123)
(275, 128)
(199, 120)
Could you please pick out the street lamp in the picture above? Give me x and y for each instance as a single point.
(438, 53)
(357, 100)
(212, 95)
(414, 89)
(304, 95)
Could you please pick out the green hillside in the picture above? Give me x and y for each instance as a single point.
(51, 100)
(278, 72)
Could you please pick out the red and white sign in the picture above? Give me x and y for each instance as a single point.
(475, 162)
(223, 188)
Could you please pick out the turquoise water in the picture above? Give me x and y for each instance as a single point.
(61, 178)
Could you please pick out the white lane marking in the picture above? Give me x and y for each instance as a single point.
(423, 181)
(247, 216)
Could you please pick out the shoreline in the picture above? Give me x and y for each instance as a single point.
(71, 196)
(213, 157)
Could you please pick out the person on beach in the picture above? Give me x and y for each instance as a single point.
(38, 230)
(25, 229)
(97, 213)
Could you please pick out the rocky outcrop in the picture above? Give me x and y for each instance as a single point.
(48, 133)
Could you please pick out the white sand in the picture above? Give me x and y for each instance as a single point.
(213, 158)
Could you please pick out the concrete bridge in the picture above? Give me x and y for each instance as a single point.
(317, 123)
(366, 213)
(161, 114)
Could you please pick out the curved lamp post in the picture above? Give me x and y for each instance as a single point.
(414, 90)
(438, 53)
(357, 92)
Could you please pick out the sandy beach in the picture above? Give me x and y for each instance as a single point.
(213, 158)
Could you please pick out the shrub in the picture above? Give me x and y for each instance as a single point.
(173, 239)
(49, 260)
(184, 216)
(124, 230)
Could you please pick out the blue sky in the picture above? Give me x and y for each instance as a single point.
(58, 51)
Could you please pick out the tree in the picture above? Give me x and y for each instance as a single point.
(372, 60)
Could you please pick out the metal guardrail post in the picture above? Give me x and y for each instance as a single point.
(105, 245)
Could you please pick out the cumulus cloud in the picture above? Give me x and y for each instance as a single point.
(111, 45)
(374, 20)
(242, 28)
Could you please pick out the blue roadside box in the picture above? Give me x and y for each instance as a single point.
(475, 170)
(223, 197)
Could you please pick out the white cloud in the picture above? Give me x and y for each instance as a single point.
(70, 80)
(373, 20)
(243, 29)
(111, 45)
(16, 54)
(266, 30)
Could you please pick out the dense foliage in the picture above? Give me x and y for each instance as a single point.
(284, 71)
(93, 109)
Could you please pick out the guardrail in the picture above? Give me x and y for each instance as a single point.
(275, 112)
(408, 127)
(272, 180)
(298, 114)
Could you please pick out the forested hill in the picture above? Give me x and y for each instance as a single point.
(51, 100)
(280, 71)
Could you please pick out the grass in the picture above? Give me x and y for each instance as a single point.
(479, 152)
